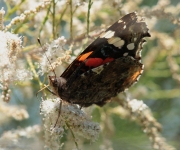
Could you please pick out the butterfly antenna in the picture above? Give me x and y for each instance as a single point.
(55, 78)
(47, 58)
(42, 89)
(60, 106)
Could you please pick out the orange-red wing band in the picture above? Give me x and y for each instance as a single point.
(84, 56)
(108, 59)
(94, 62)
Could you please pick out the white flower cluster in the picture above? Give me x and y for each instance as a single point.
(18, 138)
(137, 105)
(11, 68)
(27, 13)
(55, 53)
(2, 12)
(71, 117)
(17, 113)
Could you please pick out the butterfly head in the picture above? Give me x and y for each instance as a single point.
(57, 84)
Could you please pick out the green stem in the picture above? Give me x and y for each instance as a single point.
(44, 21)
(72, 135)
(62, 14)
(71, 20)
(36, 77)
(53, 17)
(88, 15)
(13, 10)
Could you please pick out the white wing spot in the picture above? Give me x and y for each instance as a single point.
(116, 41)
(124, 27)
(125, 54)
(83, 75)
(119, 44)
(98, 69)
(107, 34)
(120, 21)
(143, 67)
(143, 44)
(102, 35)
(130, 46)
(138, 77)
(141, 71)
(132, 58)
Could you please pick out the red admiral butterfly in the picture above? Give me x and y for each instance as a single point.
(109, 65)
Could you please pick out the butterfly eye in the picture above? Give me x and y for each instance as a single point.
(53, 81)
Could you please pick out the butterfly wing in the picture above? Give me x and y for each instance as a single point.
(123, 38)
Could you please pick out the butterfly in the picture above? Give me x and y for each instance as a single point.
(108, 66)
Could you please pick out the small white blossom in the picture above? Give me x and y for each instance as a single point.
(19, 137)
(55, 53)
(137, 105)
(14, 112)
(71, 116)
(10, 68)
(10, 45)
(2, 12)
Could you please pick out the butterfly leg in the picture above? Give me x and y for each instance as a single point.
(51, 91)
(59, 113)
